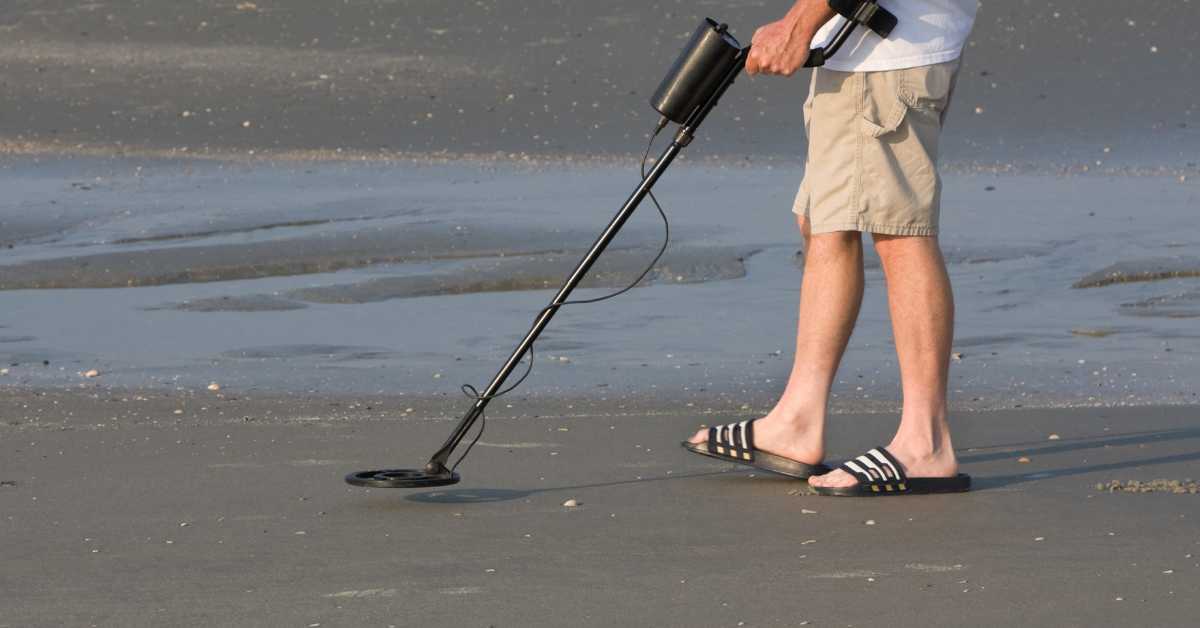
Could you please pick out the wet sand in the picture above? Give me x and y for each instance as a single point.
(1179, 305)
(418, 278)
(1156, 269)
(119, 511)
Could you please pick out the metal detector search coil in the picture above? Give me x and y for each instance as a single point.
(403, 478)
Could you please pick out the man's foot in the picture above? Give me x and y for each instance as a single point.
(917, 462)
(784, 436)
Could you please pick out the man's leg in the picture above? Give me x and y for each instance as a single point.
(830, 295)
(922, 310)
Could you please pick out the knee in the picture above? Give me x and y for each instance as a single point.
(905, 253)
(891, 247)
(836, 244)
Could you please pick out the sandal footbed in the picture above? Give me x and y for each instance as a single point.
(764, 461)
(960, 483)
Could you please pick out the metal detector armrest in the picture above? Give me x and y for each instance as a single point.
(865, 12)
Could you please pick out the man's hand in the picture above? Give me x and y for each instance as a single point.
(782, 47)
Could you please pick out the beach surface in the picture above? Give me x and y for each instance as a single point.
(247, 248)
(120, 512)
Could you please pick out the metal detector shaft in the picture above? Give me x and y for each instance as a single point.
(682, 139)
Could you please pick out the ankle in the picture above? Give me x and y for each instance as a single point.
(927, 442)
(801, 402)
(799, 417)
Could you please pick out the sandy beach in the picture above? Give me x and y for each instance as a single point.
(119, 512)
(249, 247)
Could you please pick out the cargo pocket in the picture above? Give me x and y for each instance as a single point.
(929, 89)
(885, 109)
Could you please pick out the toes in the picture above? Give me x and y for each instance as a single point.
(834, 479)
(699, 437)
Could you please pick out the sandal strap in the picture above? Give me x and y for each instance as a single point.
(858, 472)
(732, 439)
(889, 462)
(878, 470)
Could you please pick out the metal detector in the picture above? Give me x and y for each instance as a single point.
(708, 65)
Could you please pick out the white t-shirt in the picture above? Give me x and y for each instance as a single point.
(928, 32)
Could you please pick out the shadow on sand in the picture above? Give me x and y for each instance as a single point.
(973, 455)
(485, 495)
(1006, 452)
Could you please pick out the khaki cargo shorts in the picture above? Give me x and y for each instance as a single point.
(873, 149)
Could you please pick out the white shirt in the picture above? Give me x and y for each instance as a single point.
(928, 32)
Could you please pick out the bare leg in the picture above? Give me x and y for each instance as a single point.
(830, 296)
(922, 309)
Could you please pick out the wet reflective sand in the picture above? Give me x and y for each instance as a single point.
(181, 273)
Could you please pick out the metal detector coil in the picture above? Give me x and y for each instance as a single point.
(403, 478)
(706, 68)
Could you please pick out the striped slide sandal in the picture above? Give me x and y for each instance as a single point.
(879, 474)
(735, 443)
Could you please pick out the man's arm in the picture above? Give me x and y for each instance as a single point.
(782, 47)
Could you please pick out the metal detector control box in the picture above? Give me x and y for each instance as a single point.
(698, 71)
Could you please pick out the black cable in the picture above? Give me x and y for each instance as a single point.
(473, 393)
(470, 391)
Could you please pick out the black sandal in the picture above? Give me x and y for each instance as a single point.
(879, 473)
(735, 443)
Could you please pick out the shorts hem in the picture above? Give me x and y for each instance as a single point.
(873, 227)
